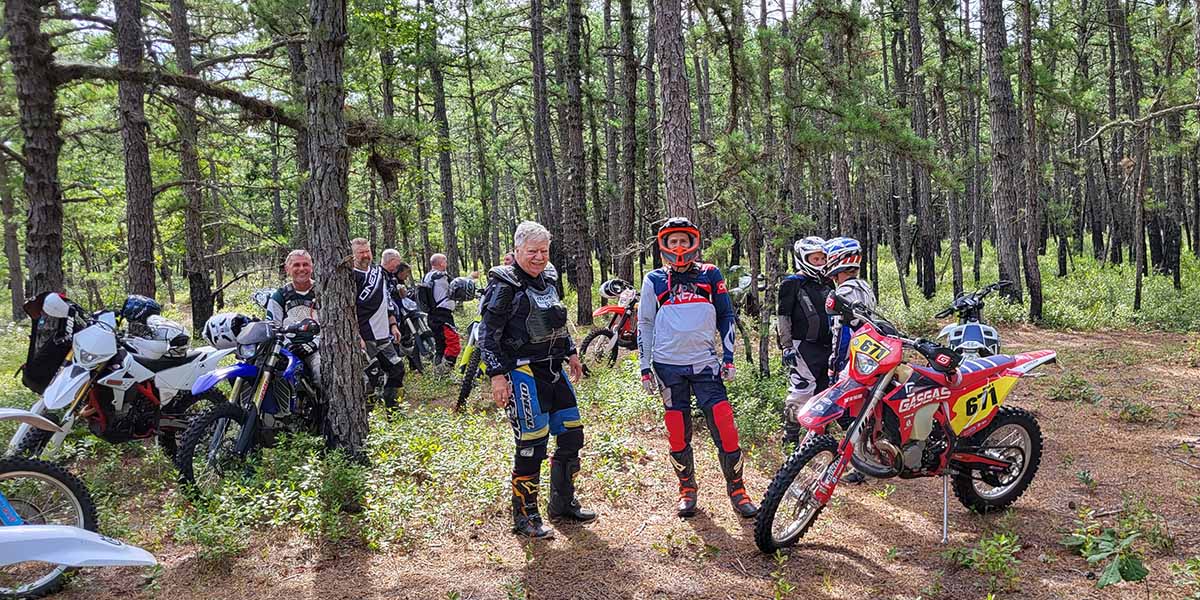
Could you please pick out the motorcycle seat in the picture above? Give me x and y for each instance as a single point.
(167, 362)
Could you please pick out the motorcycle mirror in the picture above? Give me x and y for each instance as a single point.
(56, 306)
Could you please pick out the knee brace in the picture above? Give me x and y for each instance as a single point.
(528, 458)
(679, 429)
(568, 444)
(721, 426)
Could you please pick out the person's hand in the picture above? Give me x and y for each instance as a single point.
(396, 333)
(789, 358)
(575, 367)
(501, 391)
(728, 371)
(649, 384)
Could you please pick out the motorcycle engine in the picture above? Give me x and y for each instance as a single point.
(137, 419)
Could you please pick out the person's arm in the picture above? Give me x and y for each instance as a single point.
(725, 316)
(275, 311)
(647, 310)
(497, 308)
(787, 301)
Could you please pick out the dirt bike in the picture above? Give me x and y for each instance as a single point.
(103, 381)
(945, 420)
(600, 346)
(271, 393)
(971, 336)
(469, 364)
(416, 338)
(48, 523)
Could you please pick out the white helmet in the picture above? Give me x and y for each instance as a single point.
(803, 250)
(221, 329)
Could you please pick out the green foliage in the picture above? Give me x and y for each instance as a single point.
(1087, 480)
(1073, 388)
(994, 557)
(1133, 411)
(1187, 575)
(1111, 548)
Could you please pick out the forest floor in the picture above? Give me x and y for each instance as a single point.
(1131, 438)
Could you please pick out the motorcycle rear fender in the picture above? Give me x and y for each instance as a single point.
(70, 546)
(28, 418)
(615, 309)
(826, 407)
(176, 379)
(66, 386)
(210, 380)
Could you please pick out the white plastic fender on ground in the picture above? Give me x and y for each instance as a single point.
(66, 385)
(28, 418)
(69, 546)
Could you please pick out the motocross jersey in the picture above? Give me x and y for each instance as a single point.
(372, 304)
(681, 314)
(857, 291)
(802, 316)
(289, 305)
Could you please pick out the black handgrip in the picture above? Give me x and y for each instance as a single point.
(941, 358)
(944, 313)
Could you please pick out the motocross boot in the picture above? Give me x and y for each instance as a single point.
(563, 505)
(685, 469)
(526, 520)
(731, 466)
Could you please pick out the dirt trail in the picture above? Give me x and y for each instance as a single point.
(876, 540)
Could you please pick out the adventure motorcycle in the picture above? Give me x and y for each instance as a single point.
(271, 393)
(48, 523)
(103, 380)
(971, 337)
(945, 420)
(600, 346)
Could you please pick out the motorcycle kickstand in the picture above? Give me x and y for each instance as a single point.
(945, 509)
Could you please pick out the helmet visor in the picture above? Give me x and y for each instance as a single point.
(679, 246)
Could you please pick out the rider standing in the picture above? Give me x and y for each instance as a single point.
(376, 320)
(684, 306)
(441, 311)
(523, 341)
(295, 301)
(803, 329)
(843, 259)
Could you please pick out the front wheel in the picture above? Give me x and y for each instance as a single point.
(41, 493)
(33, 443)
(470, 376)
(789, 508)
(208, 451)
(594, 350)
(1012, 436)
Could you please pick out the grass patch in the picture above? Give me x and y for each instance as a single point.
(994, 557)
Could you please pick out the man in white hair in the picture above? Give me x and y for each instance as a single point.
(441, 310)
(295, 301)
(523, 341)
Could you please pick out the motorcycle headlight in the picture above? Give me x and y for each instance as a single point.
(246, 351)
(865, 365)
(87, 359)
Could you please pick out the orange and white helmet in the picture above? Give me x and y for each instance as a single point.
(680, 256)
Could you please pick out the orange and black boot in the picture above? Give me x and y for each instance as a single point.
(685, 469)
(562, 504)
(526, 520)
(731, 466)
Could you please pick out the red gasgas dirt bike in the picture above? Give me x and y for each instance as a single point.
(600, 347)
(908, 421)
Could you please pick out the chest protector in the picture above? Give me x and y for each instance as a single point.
(547, 319)
(814, 323)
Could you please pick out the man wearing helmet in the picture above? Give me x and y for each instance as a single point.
(523, 341)
(684, 306)
(803, 331)
(376, 319)
(843, 258)
(296, 301)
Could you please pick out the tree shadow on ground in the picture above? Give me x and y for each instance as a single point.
(578, 564)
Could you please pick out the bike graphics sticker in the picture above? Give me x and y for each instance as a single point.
(977, 404)
(865, 345)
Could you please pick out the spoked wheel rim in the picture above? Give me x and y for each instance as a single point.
(1011, 443)
(219, 458)
(40, 500)
(597, 352)
(798, 507)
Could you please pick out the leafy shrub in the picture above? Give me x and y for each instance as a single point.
(1073, 388)
(994, 557)
(1114, 547)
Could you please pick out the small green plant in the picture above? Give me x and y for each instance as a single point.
(1137, 516)
(1109, 546)
(1073, 388)
(515, 590)
(782, 588)
(994, 557)
(1187, 575)
(886, 491)
(1131, 411)
(1085, 478)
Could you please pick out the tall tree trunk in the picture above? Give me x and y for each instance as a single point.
(650, 204)
(341, 376)
(546, 170)
(1033, 201)
(608, 232)
(1007, 156)
(577, 238)
(677, 117)
(1141, 146)
(298, 75)
(12, 246)
(486, 184)
(139, 193)
(625, 222)
(32, 59)
(947, 147)
(926, 245)
(387, 63)
(449, 229)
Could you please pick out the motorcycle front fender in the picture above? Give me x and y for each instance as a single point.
(826, 407)
(613, 309)
(31, 419)
(210, 380)
(66, 386)
(69, 546)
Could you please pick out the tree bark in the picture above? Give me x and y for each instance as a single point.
(625, 222)
(12, 246)
(449, 228)
(139, 195)
(486, 180)
(926, 245)
(546, 170)
(677, 117)
(1033, 201)
(298, 74)
(341, 376)
(650, 203)
(947, 147)
(577, 238)
(32, 59)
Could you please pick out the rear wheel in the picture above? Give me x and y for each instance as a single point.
(208, 451)
(1012, 436)
(789, 508)
(470, 376)
(41, 493)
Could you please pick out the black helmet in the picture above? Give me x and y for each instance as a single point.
(138, 308)
(462, 289)
(684, 255)
(613, 287)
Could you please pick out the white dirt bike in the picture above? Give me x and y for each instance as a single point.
(103, 383)
(48, 523)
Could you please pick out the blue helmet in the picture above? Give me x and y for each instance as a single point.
(842, 253)
(139, 308)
